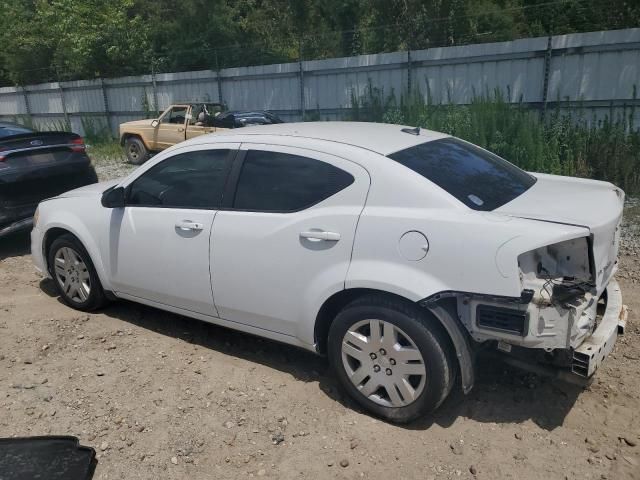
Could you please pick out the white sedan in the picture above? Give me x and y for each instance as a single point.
(395, 251)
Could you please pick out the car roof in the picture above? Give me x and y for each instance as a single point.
(381, 138)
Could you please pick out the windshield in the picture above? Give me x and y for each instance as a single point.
(479, 179)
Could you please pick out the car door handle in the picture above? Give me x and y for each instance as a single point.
(181, 129)
(186, 225)
(318, 235)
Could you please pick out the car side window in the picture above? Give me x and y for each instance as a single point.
(176, 115)
(281, 182)
(187, 180)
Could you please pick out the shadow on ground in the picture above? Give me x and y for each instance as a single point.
(15, 245)
(501, 394)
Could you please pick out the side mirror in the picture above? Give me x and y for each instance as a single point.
(155, 123)
(113, 198)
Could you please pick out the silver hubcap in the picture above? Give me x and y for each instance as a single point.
(72, 275)
(383, 363)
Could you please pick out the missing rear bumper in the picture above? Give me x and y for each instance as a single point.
(573, 366)
(592, 352)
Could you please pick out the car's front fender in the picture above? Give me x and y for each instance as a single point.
(53, 216)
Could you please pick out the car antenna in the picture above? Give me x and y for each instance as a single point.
(412, 131)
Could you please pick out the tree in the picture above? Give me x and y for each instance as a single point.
(63, 39)
(69, 39)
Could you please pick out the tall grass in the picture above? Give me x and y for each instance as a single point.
(96, 130)
(561, 143)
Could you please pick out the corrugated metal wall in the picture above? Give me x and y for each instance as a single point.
(594, 73)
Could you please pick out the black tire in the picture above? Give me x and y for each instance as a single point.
(423, 330)
(135, 150)
(96, 297)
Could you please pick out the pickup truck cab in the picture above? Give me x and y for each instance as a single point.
(177, 123)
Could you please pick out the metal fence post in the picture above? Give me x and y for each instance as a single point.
(302, 99)
(219, 84)
(27, 106)
(64, 106)
(545, 79)
(218, 79)
(154, 86)
(105, 104)
(409, 72)
(301, 81)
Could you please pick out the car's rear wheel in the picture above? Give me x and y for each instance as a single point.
(74, 275)
(136, 152)
(393, 358)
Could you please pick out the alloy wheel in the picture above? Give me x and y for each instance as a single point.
(72, 275)
(383, 363)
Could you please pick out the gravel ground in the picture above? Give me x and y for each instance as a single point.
(163, 396)
(110, 163)
(630, 242)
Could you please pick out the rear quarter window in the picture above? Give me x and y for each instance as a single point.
(281, 182)
(479, 179)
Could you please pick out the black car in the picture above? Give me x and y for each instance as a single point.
(34, 166)
(237, 119)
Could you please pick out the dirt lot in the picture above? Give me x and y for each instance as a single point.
(161, 396)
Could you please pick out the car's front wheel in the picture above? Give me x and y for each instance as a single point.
(136, 152)
(393, 358)
(74, 275)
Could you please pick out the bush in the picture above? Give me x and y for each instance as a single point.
(561, 143)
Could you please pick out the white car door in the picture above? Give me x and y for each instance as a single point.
(287, 238)
(160, 240)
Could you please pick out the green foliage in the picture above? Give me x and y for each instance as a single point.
(65, 39)
(606, 149)
(372, 105)
(106, 152)
(96, 130)
(60, 125)
(24, 120)
(149, 111)
(313, 115)
(49, 40)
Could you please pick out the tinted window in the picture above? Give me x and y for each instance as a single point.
(479, 179)
(193, 179)
(279, 182)
(6, 131)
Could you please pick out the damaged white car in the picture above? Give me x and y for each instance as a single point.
(399, 253)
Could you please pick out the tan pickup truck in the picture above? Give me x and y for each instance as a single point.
(181, 122)
(177, 123)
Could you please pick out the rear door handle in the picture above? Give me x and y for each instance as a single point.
(186, 225)
(318, 236)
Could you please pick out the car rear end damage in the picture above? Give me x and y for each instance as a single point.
(591, 353)
(570, 310)
(580, 364)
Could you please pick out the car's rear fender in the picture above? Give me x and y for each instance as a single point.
(460, 251)
(443, 311)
